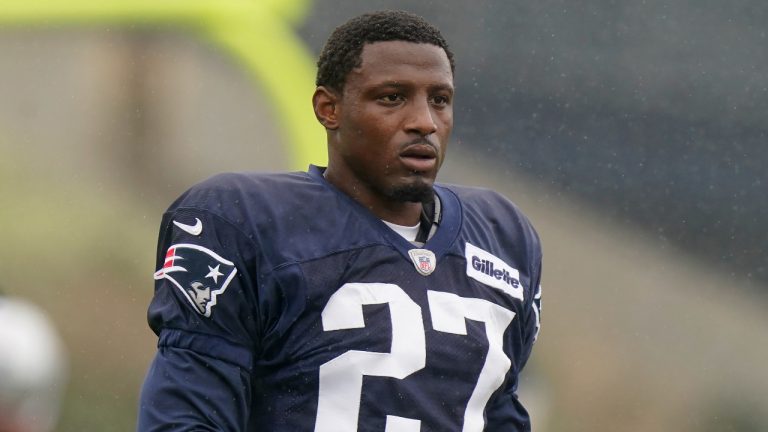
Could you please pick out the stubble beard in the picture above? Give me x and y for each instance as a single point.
(416, 191)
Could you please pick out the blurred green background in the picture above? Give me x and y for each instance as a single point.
(628, 133)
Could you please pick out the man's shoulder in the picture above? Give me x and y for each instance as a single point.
(486, 207)
(479, 198)
(242, 187)
(250, 182)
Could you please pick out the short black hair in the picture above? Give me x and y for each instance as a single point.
(342, 51)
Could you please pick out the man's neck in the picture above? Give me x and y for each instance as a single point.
(404, 213)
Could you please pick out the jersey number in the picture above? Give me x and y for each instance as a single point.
(341, 379)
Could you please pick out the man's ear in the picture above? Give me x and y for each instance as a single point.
(326, 104)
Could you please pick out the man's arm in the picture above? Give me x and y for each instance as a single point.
(508, 413)
(188, 391)
(203, 314)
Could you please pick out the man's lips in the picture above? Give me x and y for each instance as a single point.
(419, 157)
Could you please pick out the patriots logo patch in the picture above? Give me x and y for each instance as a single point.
(199, 273)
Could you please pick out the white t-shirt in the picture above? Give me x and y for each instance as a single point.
(407, 232)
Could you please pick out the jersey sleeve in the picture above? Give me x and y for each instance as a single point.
(532, 312)
(204, 313)
(507, 412)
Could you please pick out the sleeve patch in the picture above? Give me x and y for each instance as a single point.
(199, 273)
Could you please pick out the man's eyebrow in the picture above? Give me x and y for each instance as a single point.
(441, 87)
(394, 84)
(402, 85)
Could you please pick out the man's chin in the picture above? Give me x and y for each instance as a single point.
(420, 190)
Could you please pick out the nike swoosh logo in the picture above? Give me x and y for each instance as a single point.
(195, 229)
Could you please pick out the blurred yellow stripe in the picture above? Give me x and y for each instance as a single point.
(90, 11)
(258, 33)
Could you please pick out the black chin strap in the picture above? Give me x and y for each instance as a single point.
(429, 219)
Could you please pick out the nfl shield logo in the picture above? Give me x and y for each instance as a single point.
(424, 261)
(424, 264)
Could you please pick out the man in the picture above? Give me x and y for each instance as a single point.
(361, 297)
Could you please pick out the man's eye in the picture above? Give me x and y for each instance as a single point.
(394, 97)
(441, 100)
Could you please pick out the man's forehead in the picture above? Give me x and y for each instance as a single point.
(393, 61)
(409, 52)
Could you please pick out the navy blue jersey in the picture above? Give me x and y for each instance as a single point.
(281, 304)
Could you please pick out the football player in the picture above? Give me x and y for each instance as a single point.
(358, 297)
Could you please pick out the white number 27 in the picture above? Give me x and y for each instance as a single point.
(341, 379)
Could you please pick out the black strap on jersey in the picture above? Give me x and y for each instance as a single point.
(429, 219)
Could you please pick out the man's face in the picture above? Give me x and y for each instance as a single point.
(395, 116)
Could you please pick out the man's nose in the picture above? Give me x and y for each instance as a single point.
(422, 119)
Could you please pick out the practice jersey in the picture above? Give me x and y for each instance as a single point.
(281, 304)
